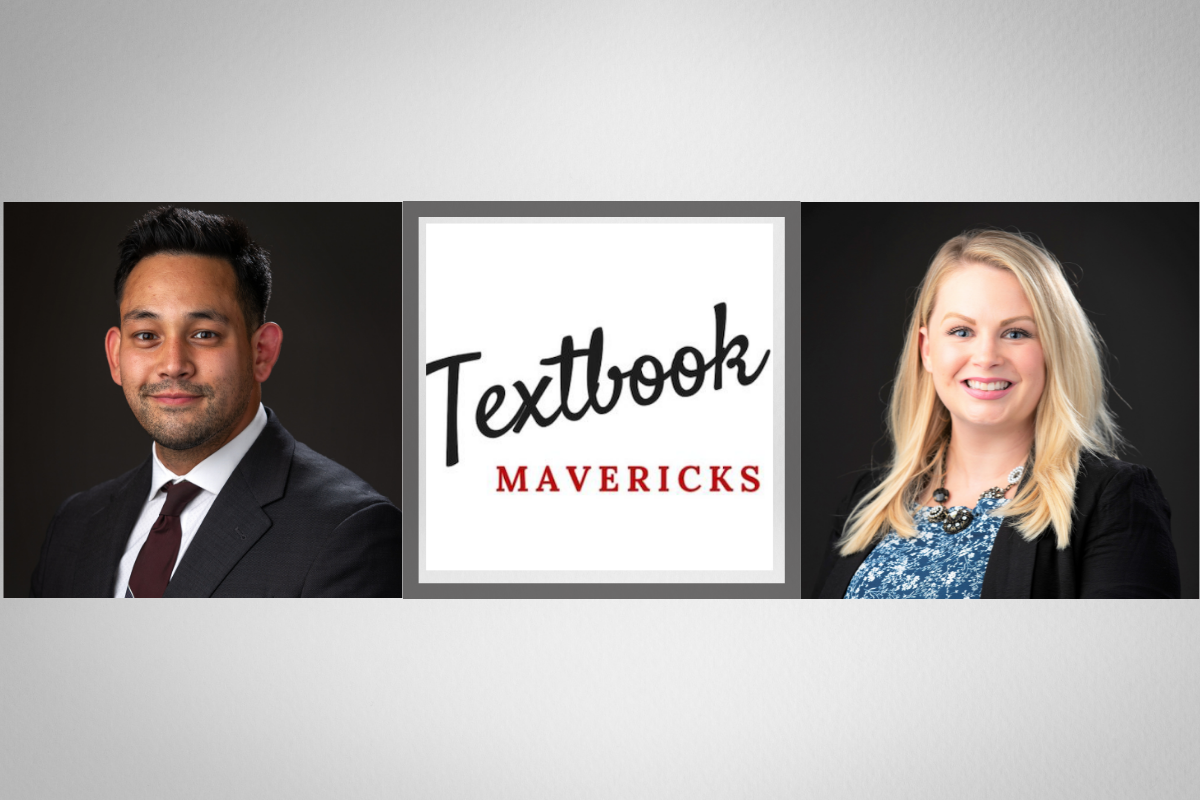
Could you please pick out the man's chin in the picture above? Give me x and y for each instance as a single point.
(172, 431)
(180, 442)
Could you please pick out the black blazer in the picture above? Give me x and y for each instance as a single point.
(1120, 542)
(288, 522)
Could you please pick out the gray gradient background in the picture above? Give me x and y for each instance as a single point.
(1011, 100)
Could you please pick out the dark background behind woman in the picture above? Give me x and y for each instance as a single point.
(1135, 268)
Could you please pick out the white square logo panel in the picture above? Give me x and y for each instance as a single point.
(599, 400)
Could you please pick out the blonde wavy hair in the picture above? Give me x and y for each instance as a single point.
(1071, 416)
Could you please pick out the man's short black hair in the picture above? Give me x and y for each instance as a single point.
(182, 230)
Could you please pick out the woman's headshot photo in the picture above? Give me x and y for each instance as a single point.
(998, 400)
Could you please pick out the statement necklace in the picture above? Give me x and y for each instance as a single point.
(959, 519)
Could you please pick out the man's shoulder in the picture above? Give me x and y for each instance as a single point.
(101, 496)
(324, 481)
(285, 473)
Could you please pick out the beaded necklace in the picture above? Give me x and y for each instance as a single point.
(959, 519)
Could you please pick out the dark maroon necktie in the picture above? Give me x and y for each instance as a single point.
(152, 570)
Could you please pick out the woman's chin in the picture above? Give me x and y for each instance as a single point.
(995, 422)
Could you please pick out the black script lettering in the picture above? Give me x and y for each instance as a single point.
(638, 377)
(723, 349)
(595, 358)
(679, 370)
(528, 408)
(529, 405)
(566, 358)
(483, 413)
(453, 363)
(647, 380)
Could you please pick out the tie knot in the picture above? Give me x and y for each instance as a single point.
(178, 496)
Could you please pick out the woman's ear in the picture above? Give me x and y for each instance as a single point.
(924, 347)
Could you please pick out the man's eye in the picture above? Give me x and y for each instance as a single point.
(204, 335)
(143, 336)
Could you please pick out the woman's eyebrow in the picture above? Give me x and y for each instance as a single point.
(1003, 322)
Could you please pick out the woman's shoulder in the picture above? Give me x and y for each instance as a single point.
(1098, 469)
(1121, 532)
(1112, 480)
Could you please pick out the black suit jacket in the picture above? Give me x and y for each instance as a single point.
(288, 523)
(1120, 543)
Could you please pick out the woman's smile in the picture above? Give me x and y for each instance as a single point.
(987, 389)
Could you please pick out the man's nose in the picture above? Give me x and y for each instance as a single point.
(175, 361)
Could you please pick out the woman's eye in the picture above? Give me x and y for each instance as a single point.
(961, 333)
(1016, 333)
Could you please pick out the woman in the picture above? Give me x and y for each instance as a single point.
(1003, 480)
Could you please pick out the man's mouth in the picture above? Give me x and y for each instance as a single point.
(175, 398)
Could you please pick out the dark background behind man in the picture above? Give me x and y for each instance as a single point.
(67, 427)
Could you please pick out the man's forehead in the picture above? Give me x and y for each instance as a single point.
(180, 284)
(175, 273)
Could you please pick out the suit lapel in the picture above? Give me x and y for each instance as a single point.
(1009, 572)
(231, 527)
(236, 520)
(842, 573)
(108, 534)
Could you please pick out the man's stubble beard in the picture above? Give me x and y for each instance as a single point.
(172, 428)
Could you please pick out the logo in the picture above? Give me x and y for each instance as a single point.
(600, 400)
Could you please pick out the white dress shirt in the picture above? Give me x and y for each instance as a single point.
(210, 475)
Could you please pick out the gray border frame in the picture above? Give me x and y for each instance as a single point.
(594, 585)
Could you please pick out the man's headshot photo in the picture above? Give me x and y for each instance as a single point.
(228, 502)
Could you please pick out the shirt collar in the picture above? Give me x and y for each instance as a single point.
(211, 473)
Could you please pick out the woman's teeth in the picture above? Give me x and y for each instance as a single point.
(988, 387)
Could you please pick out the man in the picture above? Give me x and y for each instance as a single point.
(228, 504)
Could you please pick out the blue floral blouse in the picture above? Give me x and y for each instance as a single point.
(934, 564)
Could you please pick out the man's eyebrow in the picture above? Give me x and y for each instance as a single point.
(138, 313)
(209, 313)
(1003, 322)
(135, 314)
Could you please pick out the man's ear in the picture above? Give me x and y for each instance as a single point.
(265, 344)
(112, 349)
